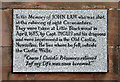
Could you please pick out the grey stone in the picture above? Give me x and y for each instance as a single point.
(77, 40)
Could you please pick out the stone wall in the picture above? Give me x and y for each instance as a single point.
(113, 40)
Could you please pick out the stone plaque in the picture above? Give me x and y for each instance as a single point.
(59, 40)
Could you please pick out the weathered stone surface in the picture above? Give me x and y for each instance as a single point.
(6, 62)
(0, 27)
(17, 76)
(7, 27)
(60, 5)
(118, 48)
(6, 70)
(112, 28)
(6, 56)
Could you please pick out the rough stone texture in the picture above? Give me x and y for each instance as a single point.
(7, 27)
(0, 28)
(119, 41)
(113, 44)
(60, 5)
(6, 56)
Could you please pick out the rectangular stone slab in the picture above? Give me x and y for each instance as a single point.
(59, 40)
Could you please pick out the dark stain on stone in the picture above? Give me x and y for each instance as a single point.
(8, 75)
(115, 61)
